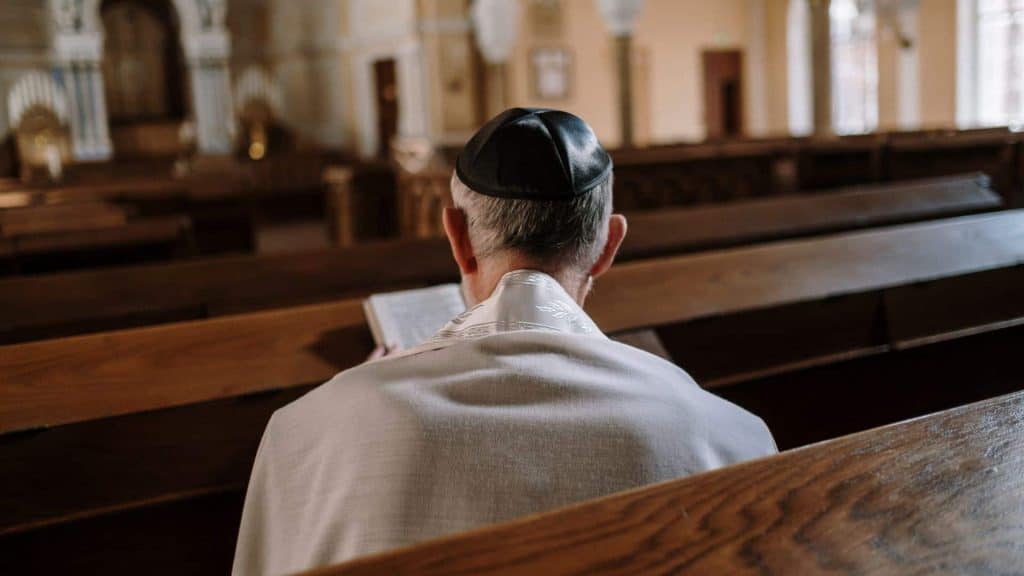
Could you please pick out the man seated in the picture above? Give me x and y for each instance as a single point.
(517, 406)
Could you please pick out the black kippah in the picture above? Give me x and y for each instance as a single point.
(533, 154)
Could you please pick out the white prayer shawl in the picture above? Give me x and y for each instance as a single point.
(517, 406)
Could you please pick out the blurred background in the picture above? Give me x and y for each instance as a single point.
(276, 125)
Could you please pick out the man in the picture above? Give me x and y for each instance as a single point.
(517, 406)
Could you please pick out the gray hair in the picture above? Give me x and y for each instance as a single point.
(565, 233)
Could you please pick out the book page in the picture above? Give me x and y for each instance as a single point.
(409, 317)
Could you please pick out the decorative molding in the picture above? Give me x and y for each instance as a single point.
(445, 25)
(497, 27)
(78, 47)
(620, 15)
(25, 58)
(36, 88)
(207, 45)
(256, 84)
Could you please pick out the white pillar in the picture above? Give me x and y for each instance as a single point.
(909, 94)
(620, 16)
(821, 66)
(413, 106)
(208, 53)
(77, 56)
(496, 24)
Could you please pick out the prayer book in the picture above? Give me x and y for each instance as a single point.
(408, 318)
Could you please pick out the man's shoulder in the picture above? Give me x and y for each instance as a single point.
(346, 396)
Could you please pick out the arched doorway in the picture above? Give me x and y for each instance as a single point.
(145, 82)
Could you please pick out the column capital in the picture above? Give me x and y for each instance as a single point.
(620, 15)
(497, 26)
(207, 45)
(78, 47)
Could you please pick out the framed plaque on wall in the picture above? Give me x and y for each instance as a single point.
(551, 73)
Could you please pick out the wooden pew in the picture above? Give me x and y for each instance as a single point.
(824, 163)
(708, 173)
(220, 212)
(993, 151)
(936, 494)
(134, 242)
(163, 422)
(75, 303)
(49, 218)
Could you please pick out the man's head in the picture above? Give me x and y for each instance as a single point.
(533, 189)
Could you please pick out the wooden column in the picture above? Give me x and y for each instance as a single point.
(623, 53)
(341, 228)
(821, 66)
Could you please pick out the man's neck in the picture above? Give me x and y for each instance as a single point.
(482, 284)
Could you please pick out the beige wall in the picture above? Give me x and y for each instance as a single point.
(776, 87)
(676, 32)
(592, 91)
(670, 37)
(937, 47)
(24, 46)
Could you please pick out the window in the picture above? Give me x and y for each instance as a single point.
(999, 62)
(854, 66)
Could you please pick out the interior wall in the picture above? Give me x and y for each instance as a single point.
(937, 44)
(306, 57)
(677, 33)
(776, 86)
(249, 27)
(671, 34)
(592, 88)
(24, 46)
(450, 67)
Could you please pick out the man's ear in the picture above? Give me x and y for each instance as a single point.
(457, 229)
(616, 233)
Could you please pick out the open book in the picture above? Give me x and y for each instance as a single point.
(409, 317)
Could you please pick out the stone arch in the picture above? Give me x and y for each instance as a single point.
(78, 42)
(189, 16)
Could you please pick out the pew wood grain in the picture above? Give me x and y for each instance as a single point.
(62, 304)
(80, 378)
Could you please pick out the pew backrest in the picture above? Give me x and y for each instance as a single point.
(80, 378)
(54, 305)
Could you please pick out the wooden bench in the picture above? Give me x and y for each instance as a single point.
(86, 301)
(50, 218)
(992, 152)
(937, 494)
(700, 173)
(163, 422)
(134, 242)
(220, 212)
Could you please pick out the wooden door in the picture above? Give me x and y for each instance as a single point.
(723, 93)
(387, 103)
(142, 63)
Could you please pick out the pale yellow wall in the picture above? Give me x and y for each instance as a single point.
(592, 92)
(776, 75)
(937, 48)
(672, 35)
(24, 46)
(676, 32)
(248, 25)
(449, 68)
(888, 80)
